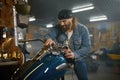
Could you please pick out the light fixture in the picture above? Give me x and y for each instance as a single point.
(49, 25)
(32, 19)
(83, 8)
(98, 18)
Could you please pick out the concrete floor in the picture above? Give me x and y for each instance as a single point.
(104, 73)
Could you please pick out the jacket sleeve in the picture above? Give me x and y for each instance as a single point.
(85, 46)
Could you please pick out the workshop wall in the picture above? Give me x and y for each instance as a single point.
(104, 34)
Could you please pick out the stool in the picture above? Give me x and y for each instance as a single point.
(117, 68)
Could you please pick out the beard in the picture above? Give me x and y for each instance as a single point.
(65, 27)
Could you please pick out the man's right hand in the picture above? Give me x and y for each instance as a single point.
(49, 42)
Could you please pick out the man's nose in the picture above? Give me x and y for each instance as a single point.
(62, 23)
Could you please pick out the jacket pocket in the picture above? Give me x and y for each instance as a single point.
(77, 43)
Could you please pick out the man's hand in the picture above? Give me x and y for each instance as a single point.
(69, 54)
(49, 42)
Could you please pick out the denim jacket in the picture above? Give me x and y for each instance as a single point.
(79, 42)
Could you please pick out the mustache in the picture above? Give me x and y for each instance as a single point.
(65, 27)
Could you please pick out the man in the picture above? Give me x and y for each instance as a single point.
(69, 31)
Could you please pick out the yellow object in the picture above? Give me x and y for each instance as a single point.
(114, 56)
(14, 54)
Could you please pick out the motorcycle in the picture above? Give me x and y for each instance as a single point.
(48, 64)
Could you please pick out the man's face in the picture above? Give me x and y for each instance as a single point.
(66, 24)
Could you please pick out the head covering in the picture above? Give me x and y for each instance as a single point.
(65, 14)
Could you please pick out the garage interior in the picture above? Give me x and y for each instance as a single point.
(23, 24)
